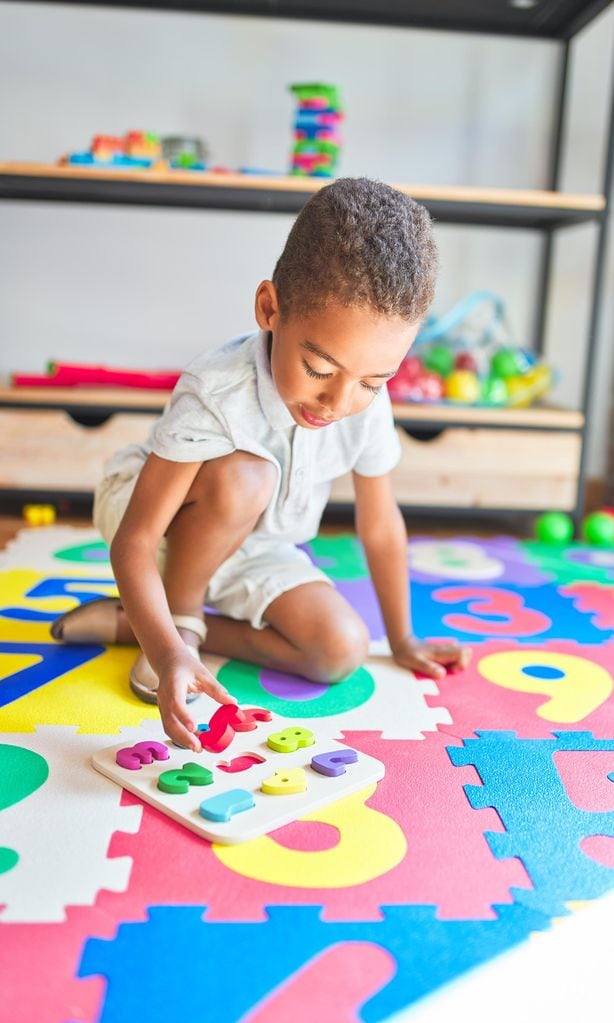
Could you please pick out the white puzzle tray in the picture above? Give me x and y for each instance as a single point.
(236, 776)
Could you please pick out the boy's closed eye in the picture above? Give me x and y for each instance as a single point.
(311, 372)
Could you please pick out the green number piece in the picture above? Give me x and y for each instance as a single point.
(178, 781)
(290, 739)
(22, 772)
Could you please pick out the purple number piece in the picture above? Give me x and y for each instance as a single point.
(133, 757)
(333, 763)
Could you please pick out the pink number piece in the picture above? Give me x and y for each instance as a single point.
(133, 757)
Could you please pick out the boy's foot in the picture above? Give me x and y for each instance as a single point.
(100, 621)
(143, 679)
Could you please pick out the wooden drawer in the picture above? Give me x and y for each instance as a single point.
(482, 468)
(47, 450)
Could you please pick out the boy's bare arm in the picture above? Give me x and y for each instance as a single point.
(159, 493)
(381, 529)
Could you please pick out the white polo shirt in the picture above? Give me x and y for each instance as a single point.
(226, 401)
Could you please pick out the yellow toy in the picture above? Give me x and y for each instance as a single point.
(39, 514)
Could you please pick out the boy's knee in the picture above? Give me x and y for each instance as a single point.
(238, 486)
(341, 650)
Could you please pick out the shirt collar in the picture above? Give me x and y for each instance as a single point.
(273, 407)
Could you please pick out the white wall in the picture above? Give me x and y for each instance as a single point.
(148, 287)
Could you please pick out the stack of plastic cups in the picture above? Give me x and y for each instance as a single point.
(317, 141)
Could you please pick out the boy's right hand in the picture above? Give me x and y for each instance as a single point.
(184, 673)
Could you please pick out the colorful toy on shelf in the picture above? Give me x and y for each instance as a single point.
(317, 140)
(39, 514)
(554, 527)
(140, 150)
(185, 152)
(598, 529)
(470, 353)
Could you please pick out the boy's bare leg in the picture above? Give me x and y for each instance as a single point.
(221, 509)
(313, 632)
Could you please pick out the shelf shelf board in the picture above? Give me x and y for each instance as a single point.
(106, 401)
(526, 208)
(558, 19)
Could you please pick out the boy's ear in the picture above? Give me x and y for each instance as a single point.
(267, 306)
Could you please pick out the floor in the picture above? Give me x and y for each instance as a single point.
(361, 908)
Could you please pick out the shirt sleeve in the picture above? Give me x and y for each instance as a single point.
(382, 448)
(191, 429)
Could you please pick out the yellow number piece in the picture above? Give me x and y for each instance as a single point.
(290, 739)
(575, 688)
(285, 783)
(370, 844)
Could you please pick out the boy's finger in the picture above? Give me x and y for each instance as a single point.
(430, 668)
(206, 683)
(178, 731)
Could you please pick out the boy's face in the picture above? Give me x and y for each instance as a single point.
(331, 363)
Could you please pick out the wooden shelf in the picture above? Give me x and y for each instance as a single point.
(526, 208)
(107, 401)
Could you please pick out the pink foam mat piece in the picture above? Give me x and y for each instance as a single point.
(38, 966)
(448, 862)
(476, 703)
(595, 599)
(332, 986)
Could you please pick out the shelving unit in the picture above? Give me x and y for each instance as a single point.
(515, 448)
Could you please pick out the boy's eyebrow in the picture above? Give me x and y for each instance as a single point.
(309, 345)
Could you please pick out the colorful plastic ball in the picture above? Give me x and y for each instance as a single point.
(465, 360)
(462, 385)
(439, 359)
(598, 529)
(494, 391)
(429, 387)
(507, 362)
(554, 528)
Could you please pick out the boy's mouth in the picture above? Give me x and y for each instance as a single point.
(314, 420)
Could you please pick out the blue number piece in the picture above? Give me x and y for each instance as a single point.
(226, 805)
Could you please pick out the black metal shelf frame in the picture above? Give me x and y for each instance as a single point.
(548, 19)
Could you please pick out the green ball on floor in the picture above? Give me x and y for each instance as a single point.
(554, 528)
(598, 529)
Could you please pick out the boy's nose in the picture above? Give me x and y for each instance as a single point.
(336, 401)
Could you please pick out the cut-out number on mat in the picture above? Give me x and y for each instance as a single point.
(491, 612)
(22, 772)
(574, 685)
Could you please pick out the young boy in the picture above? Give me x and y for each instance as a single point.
(237, 470)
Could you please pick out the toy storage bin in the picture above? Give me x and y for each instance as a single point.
(466, 467)
(47, 450)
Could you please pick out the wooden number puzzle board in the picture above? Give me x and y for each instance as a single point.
(270, 811)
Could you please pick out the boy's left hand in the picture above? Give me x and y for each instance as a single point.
(431, 659)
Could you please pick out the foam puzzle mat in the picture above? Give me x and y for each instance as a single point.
(494, 820)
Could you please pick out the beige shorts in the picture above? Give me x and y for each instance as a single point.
(246, 583)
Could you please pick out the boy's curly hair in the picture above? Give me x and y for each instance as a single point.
(361, 243)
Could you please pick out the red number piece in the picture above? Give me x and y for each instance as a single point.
(252, 715)
(228, 719)
(521, 620)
